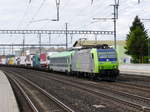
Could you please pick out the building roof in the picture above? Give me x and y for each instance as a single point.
(93, 42)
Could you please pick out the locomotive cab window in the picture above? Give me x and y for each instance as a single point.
(105, 55)
(92, 56)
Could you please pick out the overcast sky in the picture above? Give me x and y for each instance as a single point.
(18, 14)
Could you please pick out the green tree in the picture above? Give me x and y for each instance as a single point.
(137, 41)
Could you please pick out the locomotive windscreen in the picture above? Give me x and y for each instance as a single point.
(107, 55)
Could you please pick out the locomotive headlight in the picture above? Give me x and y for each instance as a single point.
(101, 67)
(113, 62)
(115, 67)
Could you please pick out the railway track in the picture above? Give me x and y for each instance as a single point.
(140, 104)
(25, 86)
(135, 79)
(133, 86)
(28, 100)
(125, 85)
(138, 77)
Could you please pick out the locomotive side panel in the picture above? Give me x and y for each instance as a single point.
(59, 64)
(82, 61)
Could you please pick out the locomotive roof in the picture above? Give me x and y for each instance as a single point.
(104, 50)
(62, 54)
(85, 43)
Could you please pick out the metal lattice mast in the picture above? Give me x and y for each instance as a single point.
(116, 5)
(138, 1)
(23, 48)
(40, 49)
(57, 6)
(66, 35)
(115, 17)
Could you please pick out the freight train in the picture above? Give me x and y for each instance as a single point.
(99, 63)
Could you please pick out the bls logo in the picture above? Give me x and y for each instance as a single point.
(107, 59)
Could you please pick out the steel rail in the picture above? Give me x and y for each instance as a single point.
(136, 74)
(58, 102)
(116, 91)
(142, 100)
(31, 104)
(128, 103)
(99, 93)
(133, 86)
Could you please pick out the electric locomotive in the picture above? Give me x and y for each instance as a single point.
(96, 63)
(108, 64)
(99, 62)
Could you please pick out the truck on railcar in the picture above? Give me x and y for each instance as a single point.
(36, 61)
(43, 60)
(21, 60)
(2, 60)
(10, 60)
(29, 58)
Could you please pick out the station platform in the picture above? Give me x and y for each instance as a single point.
(135, 69)
(8, 101)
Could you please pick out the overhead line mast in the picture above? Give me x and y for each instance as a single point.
(138, 1)
(116, 5)
(29, 1)
(115, 14)
(57, 6)
(66, 35)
